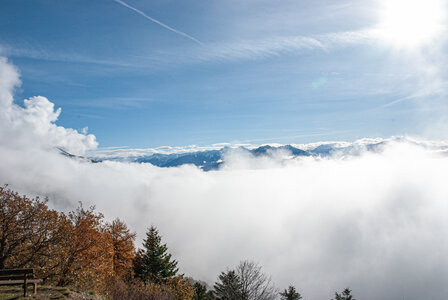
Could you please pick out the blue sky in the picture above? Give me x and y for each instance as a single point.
(204, 72)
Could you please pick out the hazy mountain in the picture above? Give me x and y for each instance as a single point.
(206, 160)
(212, 159)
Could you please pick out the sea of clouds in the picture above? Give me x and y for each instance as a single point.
(376, 222)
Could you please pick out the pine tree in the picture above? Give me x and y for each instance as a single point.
(228, 287)
(201, 293)
(291, 294)
(346, 295)
(153, 263)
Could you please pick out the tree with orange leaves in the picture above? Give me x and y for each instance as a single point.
(28, 228)
(122, 240)
(86, 254)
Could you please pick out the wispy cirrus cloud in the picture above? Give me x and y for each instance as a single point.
(114, 102)
(419, 94)
(269, 47)
(221, 52)
(160, 23)
(38, 51)
(380, 217)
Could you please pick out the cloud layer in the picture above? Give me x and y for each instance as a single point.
(375, 222)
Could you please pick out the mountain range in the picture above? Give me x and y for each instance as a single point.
(212, 158)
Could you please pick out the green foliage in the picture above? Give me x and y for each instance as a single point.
(201, 293)
(228, 286)
(290, 294)
(346, 295)
(80, 250)
(153, 263)
(247, 282)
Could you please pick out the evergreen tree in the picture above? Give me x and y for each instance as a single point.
(153, 263)
(228, 287)
(346, 295)
(201, 293)
(137, 263)
(290, 294)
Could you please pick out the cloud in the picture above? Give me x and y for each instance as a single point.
(159, 23)
(226, 51)
(276, 46)
(9, 79)
(34, 123)
(39, 51)
(375, 222)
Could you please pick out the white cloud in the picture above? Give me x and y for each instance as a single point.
(375, 222)
(276, 46)
(9, 79)
(225, 51)
(33, 125)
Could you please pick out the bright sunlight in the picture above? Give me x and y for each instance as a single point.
(412, 23)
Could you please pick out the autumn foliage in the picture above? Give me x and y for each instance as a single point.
(122, 241)
(28, 230)
(78, 249)
(81, 250)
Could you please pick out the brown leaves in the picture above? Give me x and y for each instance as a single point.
(28, 228)
(176, 288)
(86, 253)
(122, 241)
(79, 248)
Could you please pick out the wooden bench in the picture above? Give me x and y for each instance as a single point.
(19, 276)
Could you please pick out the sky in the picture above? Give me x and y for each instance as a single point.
(374, 221)
(155, 73)
(79, 75)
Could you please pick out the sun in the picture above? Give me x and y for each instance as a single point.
(411, 23)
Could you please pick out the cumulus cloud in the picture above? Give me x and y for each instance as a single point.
(375, 221)
(34, 123)
(9, 79)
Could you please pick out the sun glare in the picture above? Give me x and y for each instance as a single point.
(411, 23)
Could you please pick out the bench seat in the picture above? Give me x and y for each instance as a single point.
(23, 277)
(17, 282)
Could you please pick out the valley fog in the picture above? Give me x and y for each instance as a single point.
(375, 222)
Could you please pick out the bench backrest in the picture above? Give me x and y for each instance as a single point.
(10, 274)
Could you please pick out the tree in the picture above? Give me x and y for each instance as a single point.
(179, 287)
(122, 241)
(228, 286)
(290, 294)
(86, 255)
(201, 293)
(153, 263)
(28, 228)
(255, 285)
(346, 295)
(175, 288)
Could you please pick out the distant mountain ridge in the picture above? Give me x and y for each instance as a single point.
(77, 157)
(212, 159)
